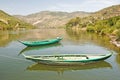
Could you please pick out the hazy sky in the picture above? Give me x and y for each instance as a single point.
(25, 7)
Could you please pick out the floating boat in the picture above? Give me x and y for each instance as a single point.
(67, 59)
(41, 42)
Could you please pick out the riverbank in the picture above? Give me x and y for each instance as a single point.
(113, 38)
(113, 41)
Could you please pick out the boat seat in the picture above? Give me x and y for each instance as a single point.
(60, 58)
(87, 57)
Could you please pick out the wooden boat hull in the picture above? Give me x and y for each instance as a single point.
(40, 43)
(68, 59)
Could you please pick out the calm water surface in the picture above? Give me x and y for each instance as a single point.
(13, 66)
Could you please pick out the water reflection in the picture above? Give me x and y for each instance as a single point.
(83, 37)
(26, 49)
(8, 36)
(62, 69)
(71, 42)
(76, 36)
(118, 59)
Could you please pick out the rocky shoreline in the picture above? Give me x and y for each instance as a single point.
(114, 41)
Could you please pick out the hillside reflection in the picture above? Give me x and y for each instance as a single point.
(75, 36)
(118, 59)
(8, 36)
(82, 36)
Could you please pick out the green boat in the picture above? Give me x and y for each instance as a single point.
(68, 59)
(41, 42)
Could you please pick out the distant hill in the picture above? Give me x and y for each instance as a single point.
(49, 19)
(108, 12)
(103, 14)
(8, 22)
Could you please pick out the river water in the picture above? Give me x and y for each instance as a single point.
(13, 66)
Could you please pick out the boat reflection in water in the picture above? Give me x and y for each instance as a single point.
(39, 47)
(61, 69)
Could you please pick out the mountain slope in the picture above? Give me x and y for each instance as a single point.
(8, 22)
(100, 15)
(49, 19)
(108, 12)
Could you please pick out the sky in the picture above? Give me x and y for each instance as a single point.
(25, 7)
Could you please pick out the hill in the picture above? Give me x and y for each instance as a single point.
(108, 12)
(50, 19)
(94, 17)
(103, 22)
(8, 22)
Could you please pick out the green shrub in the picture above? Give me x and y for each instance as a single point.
(90, 29)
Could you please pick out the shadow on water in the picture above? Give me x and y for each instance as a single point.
(62, 69)
(26, 49)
